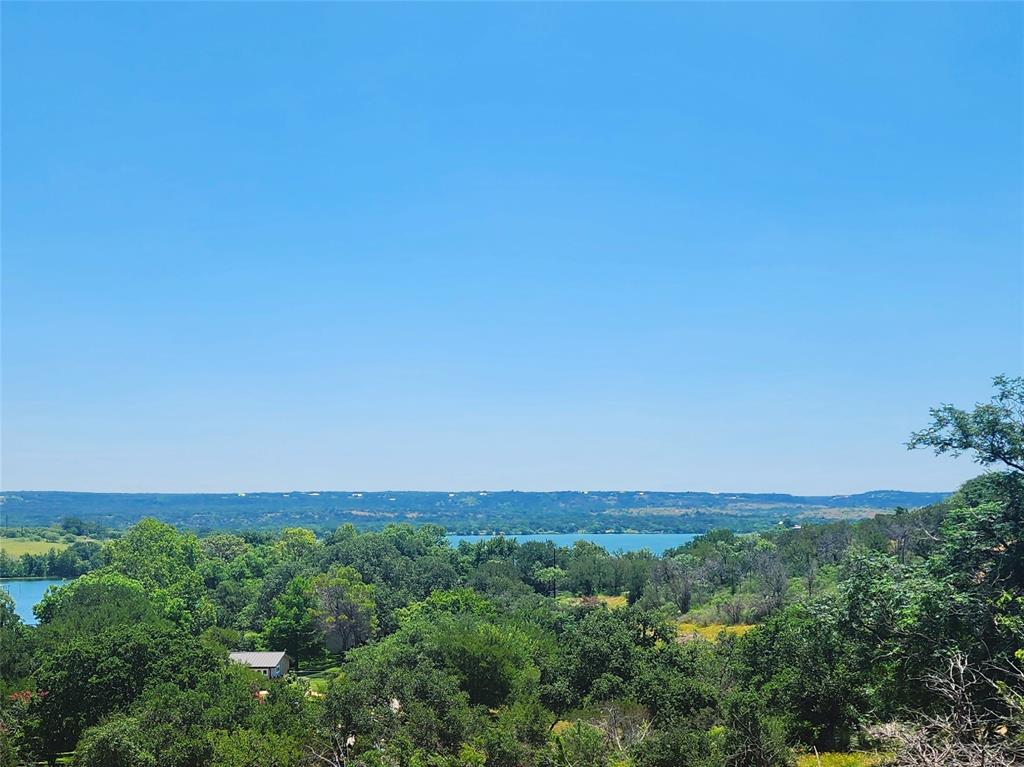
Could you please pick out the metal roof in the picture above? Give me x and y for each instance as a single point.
(258, 659)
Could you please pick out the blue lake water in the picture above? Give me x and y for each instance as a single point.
(27, 593)
(656, 543)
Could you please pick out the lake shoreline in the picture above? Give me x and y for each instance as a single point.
(656, 543)
(28, 592)
(32, 578)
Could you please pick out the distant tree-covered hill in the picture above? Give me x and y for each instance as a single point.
(505, 511)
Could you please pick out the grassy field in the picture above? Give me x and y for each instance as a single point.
(318, 679)
(834, 759)
(711, 631)
(608, 600)
(15, 547)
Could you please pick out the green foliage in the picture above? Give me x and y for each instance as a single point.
(993, 432)
(551, 578)
(799, 662)
(117, 742)
(94, 601)
(166, 563)
(753, 736)
(293, 624)
(487, 658)
(253, 748)
(581, 745)
(346, 610)
(451, 602)
(294, 542)
(681, 745)
(464, 675)
(602, 654)
(16, 643)
(404, 564)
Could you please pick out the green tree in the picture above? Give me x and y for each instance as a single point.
(636, 573)
(346, 609)
(799, 663)
(600, 654)
(992, 431)
(117, 742)
(95, 600)
(16, 645)
(295, 543)
(255, 748)
(225, 546)
(488, 658)
(580, 745)
(180, 719)
(89, 677)
(166, 563)
(293, 625)
(589, 570)
(755, 737)
(551, 577)
(677, 745)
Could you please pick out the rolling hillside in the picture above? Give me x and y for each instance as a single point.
(505, 511)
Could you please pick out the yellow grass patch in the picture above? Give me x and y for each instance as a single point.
(711, 631)
(611, 602)
(836, 759)
(15, 547)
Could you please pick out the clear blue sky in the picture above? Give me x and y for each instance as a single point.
(729, 247)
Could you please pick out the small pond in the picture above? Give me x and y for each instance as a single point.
(27, 592)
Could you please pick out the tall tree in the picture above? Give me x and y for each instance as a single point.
(293, 624)
(15, 644)
(166, 563)
(992, 431)
(346, 610)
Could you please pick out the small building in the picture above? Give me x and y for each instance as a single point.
(271, 664)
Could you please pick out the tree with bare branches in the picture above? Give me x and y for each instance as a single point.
(978, 725)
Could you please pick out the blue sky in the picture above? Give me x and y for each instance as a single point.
(717, 247)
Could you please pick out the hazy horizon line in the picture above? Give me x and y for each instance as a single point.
(475, 491)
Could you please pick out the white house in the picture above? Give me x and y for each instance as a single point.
(271, 664)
